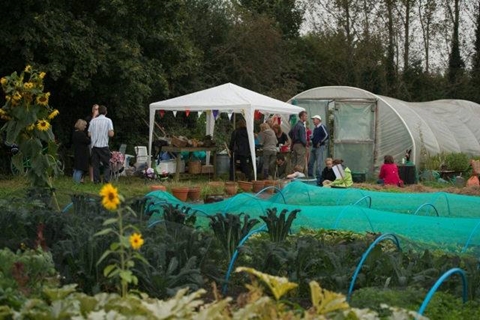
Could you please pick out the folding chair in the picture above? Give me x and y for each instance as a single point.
(142, 157)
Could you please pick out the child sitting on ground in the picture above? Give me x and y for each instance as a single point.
(297, 173)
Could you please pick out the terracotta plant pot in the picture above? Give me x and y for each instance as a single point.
(158, 187)
(181, 193)
(270, 183)
(230, 188)
(245, 186)
(194, 193)
(258, 185)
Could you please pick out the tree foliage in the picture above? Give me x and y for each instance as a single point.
(126, 54)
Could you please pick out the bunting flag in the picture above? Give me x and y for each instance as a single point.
(257, 115)
(199, 113)
(175, 113)
(187, 112)
(161, 113)
(230, 113)
(215, 114)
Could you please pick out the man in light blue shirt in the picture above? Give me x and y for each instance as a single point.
(100, 130)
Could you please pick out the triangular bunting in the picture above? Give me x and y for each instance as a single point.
(175, 113)
(199, 113)
(187, 112)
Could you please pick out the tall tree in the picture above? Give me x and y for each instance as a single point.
(287, 14)
(475, 73)
(455, 62)
(390, 67)
(426, 13)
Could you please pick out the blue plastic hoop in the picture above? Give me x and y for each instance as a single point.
(347, 208)
(235, 254)
(470, 237)
(439, 282)
(388, 236)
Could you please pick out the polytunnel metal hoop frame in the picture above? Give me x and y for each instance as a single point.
(437, 284)
(387, 236)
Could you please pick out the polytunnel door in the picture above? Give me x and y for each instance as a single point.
(354, 136)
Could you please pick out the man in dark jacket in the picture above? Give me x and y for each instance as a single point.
(319, 138)
(240, 151)
(298, 134)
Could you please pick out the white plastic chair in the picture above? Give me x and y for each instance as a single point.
(142, 156)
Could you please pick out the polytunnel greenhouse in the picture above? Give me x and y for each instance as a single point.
(366, 126)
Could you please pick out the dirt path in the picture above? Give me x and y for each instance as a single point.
(420, 188)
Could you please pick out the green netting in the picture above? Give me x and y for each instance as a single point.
(449, 221)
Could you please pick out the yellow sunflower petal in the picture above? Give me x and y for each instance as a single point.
(136, 241)
(43, 125)
(110, 198)
(53, 114)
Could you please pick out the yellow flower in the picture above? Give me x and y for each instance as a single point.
(43, 125)
(28, 85)
(3, 81)
(136, 241)
(53, 114)
(31, 127)
(7, 97)
(17, 96)
(110, 199)
(43, 99)
(28, 68)
(42, 75)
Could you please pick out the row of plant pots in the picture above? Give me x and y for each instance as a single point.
(229, 187)
(181, 193)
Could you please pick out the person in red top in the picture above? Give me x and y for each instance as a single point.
(389, 172)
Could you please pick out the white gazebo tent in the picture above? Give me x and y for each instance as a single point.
(228, 98)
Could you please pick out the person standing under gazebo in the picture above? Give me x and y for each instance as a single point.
(298, 135)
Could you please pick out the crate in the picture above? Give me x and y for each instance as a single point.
(207, 168)
(177, 142)
(170, 166)
(359, 177)
(195, 167)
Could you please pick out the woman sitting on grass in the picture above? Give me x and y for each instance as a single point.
(344, 177)
(389, 173)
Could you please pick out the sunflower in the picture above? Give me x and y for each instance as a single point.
(31, 127)
(42, 75)
(136, 241)
(43, 125)
(28, 85)
(110, 199)
(53, 114)
(17, 96)
(28, 68)
(43, 99)
(3, 81)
